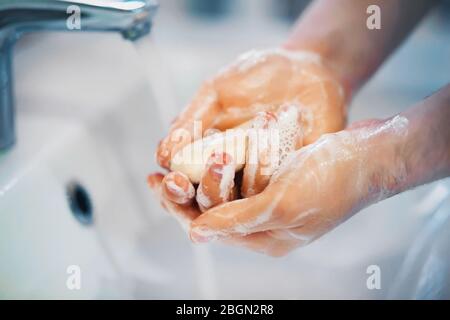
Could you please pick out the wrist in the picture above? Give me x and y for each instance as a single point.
(407, 150)
(385, 162)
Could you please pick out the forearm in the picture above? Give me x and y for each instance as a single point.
(426, 150)
(337, 30)
(408, 150)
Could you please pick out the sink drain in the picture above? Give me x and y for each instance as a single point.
(80, 203)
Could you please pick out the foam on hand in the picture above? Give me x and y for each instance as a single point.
(191, 160)
(285, 137)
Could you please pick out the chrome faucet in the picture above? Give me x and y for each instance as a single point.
(132, 19)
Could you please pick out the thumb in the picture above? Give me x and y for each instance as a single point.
(239, 217)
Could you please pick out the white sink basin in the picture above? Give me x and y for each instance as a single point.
(103, 138)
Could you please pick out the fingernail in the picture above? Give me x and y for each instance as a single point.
(216, 171)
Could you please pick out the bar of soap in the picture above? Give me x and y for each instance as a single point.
(287, 137)
(191, 159)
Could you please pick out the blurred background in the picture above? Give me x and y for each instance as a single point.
(90, 110)
(217, 31)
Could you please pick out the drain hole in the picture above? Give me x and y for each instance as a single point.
(80, 203)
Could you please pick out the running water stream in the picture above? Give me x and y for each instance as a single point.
(159, 82)
(158, 78)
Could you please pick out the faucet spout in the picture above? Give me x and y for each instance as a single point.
(133, 19)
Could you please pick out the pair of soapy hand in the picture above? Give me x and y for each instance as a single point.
(322, 177)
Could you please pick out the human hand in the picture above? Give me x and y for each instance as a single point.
(317, 188)
(257, 85)
(262, 81)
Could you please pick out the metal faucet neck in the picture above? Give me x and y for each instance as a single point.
(133, 19)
